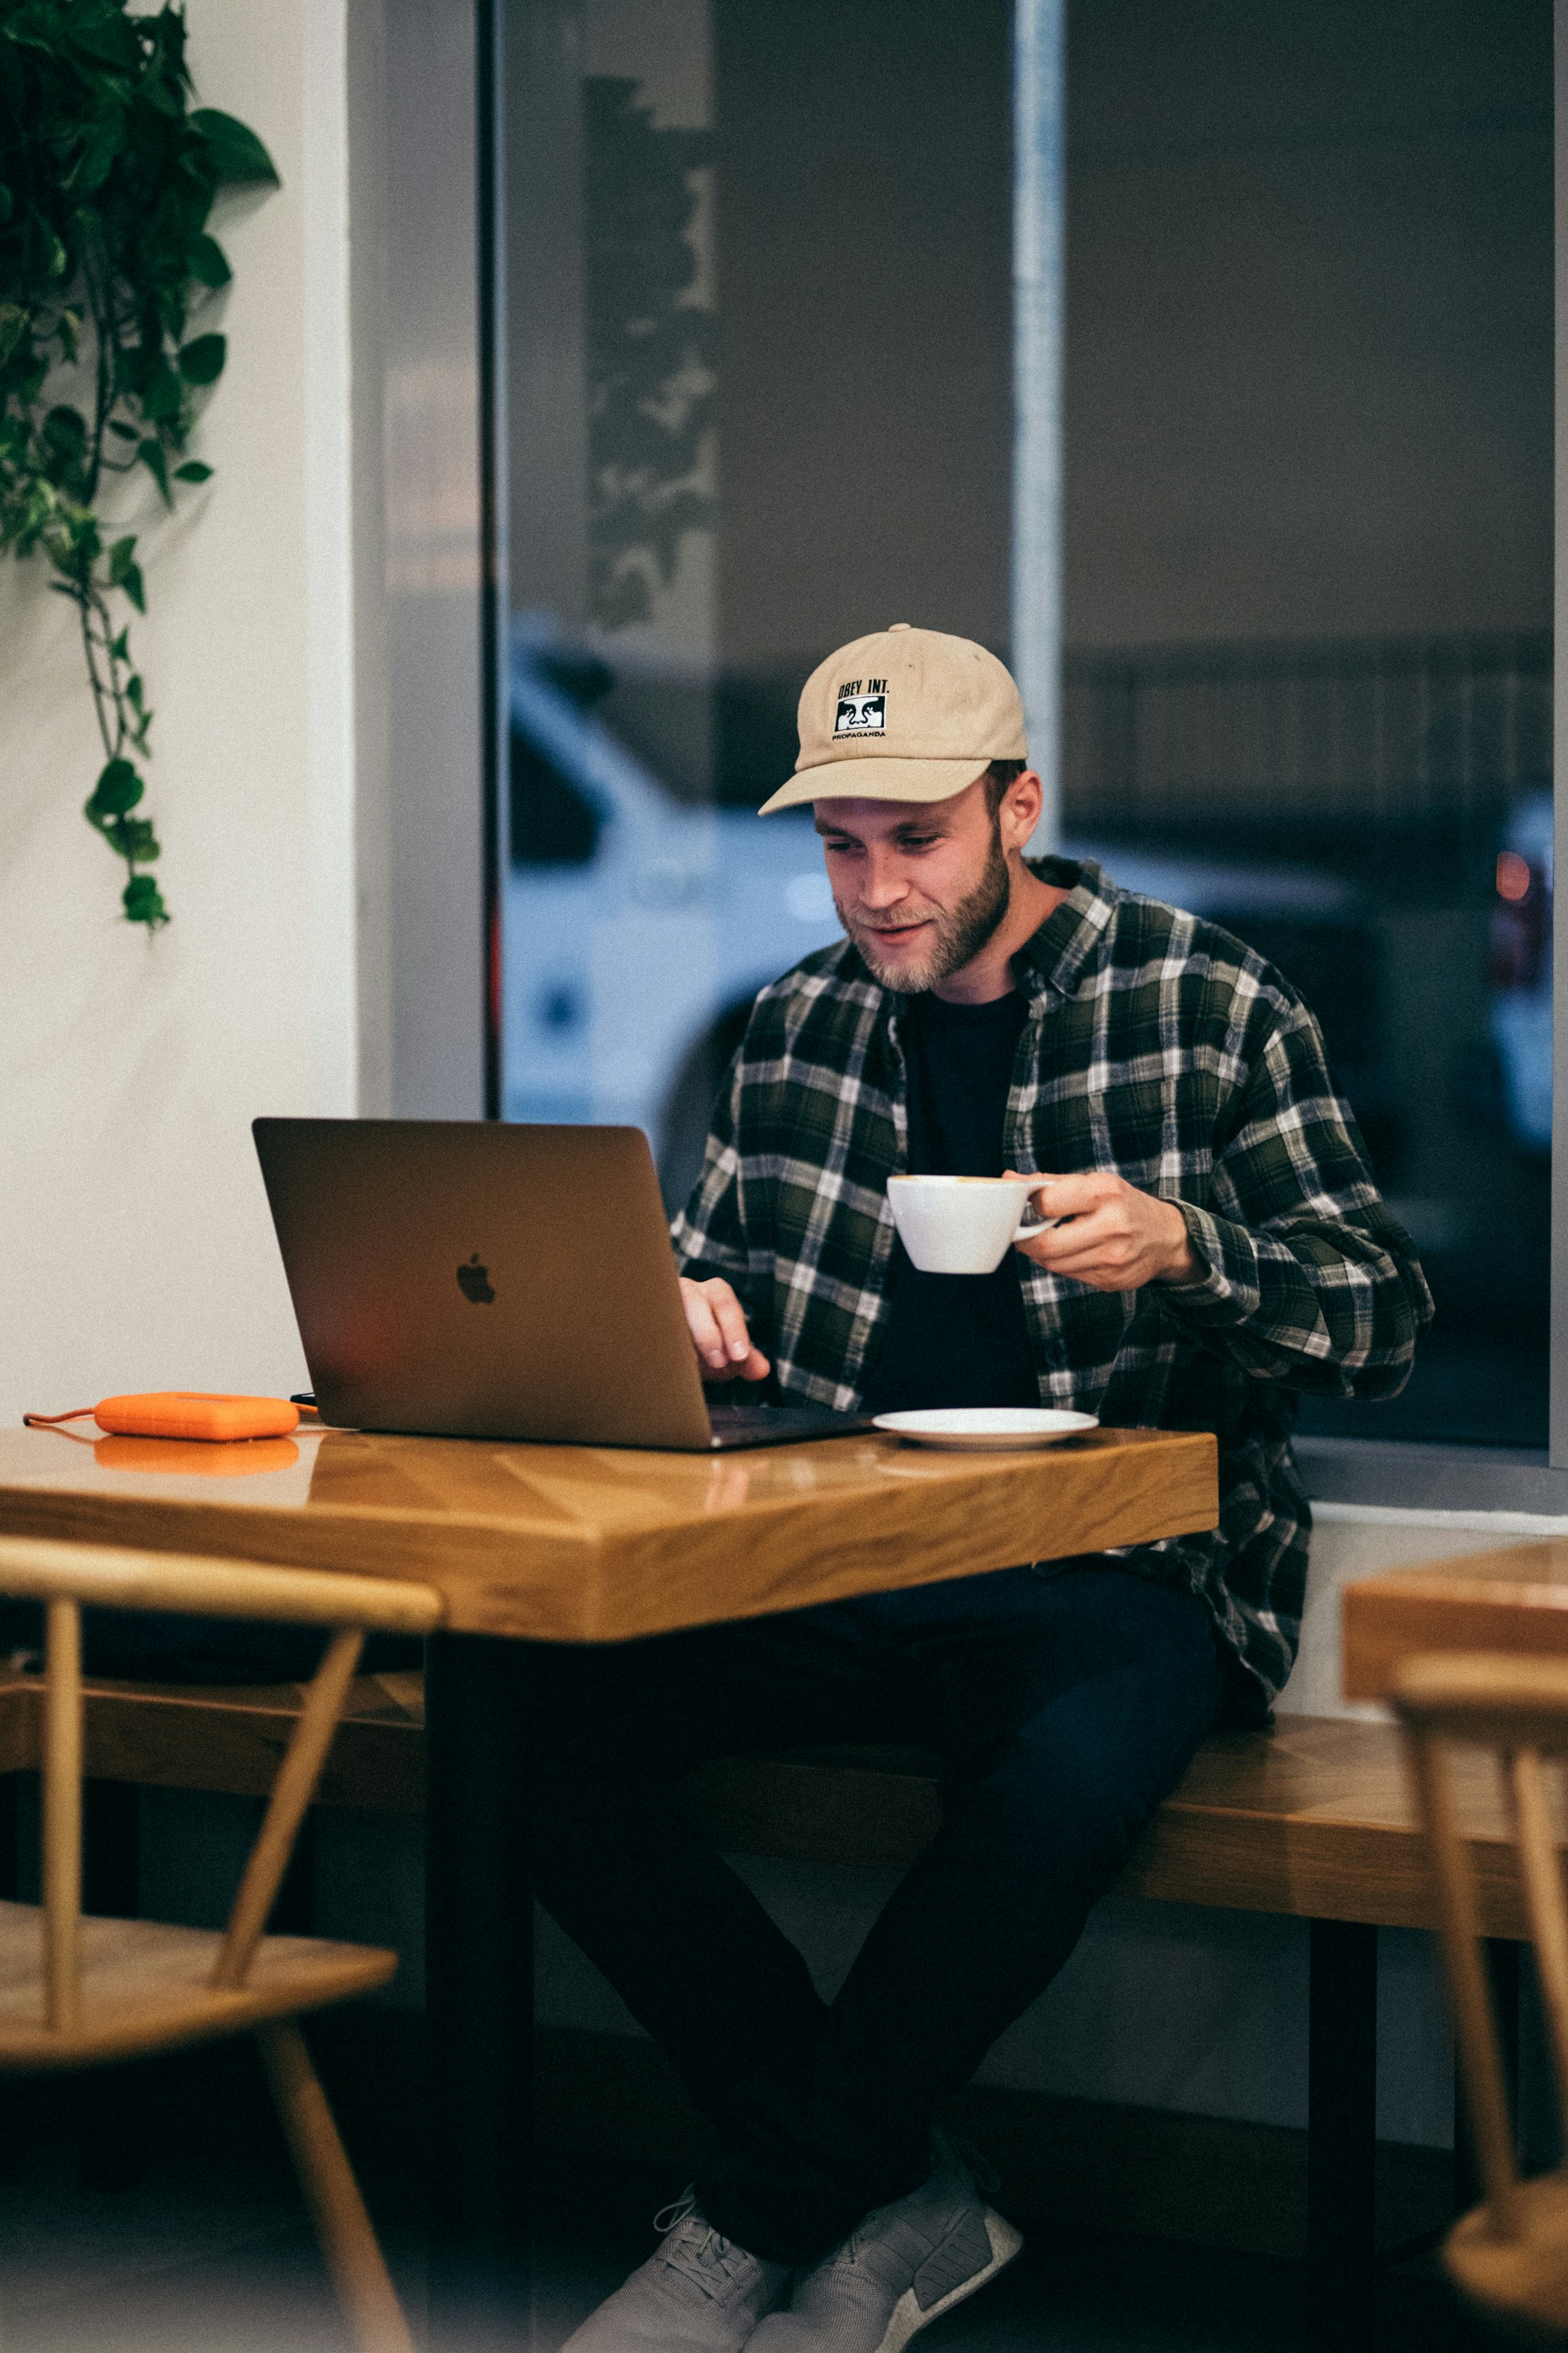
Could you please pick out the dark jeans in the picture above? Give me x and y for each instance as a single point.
(1063, 1703)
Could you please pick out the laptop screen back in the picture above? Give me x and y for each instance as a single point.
(485, 1281)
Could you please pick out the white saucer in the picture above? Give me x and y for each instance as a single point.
(988, 1428)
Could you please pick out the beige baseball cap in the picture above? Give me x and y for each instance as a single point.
(902, 715)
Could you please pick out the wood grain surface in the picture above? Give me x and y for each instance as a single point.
(583, 1544)
(1314, 1818)
(1515, 1598)
(1318, 1818)
(144, 1987)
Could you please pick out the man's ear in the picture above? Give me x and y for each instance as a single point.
(1019, 813)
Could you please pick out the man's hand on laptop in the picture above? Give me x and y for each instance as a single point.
(1108, 1234)
(718, 1326)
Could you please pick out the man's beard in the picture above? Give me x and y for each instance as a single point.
(954, 938)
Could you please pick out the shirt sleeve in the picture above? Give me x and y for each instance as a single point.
(1302, 1273)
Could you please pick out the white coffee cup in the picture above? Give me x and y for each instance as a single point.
(961, 1225)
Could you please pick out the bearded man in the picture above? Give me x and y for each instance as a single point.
(1218, 1246)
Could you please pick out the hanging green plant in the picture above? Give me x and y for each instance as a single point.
(107, 180)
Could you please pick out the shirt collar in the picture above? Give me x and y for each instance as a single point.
(1071, 936)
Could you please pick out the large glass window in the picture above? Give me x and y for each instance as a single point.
(758, 385)
(1308, 579)
(760, 393)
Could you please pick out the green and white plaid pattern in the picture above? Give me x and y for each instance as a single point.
(1156, 1045)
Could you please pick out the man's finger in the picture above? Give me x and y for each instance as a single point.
(1070, 1197)
(706, 1336)
(729, 1316)
(717, 1322)
(1074, 1250)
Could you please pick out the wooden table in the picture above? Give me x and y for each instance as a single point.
(1515, 1598)
(575, 1544)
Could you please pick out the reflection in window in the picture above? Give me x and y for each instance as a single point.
(732, 441)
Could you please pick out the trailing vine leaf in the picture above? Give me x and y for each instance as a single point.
(107, 180)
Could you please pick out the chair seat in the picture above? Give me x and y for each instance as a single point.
(143, 1988)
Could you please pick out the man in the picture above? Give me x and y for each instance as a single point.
(1220, 1245)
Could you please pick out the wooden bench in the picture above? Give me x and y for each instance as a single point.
(1311, 1817)
(1310, 1820)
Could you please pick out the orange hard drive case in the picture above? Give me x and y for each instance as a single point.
(196, 1413)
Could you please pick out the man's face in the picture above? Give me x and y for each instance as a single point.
(920, 886)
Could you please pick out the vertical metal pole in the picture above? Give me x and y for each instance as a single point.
(1342, 2126)
(1559, 1371)
(489, 82)
(478, 1958)
(1039, 141)
(110, 2101)
(16, 2100)
(10, 1839)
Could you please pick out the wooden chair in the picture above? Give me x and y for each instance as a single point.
(78, 1992)
(1510, 2253)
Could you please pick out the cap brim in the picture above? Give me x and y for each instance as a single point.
(870, 779)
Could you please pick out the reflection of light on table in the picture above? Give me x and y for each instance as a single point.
(729, 1485)
(589, 1544)
(190, 1458)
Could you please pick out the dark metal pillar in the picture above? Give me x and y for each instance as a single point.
(14, 2106)
(478, 1993)
(10, 1840)
(110, 2101)
(1342, 2126)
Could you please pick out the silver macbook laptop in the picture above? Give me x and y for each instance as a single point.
(482, 1281)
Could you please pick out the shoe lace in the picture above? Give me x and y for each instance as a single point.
(670, 2216)
(700, 2251)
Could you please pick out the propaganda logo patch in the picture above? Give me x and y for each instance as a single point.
(862, 707)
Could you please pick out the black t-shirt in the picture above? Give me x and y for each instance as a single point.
(956, 1339)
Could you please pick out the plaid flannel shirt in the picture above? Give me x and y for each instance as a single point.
(1158, 1045)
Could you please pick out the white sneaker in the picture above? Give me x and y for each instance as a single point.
(697, 2293)
(899, 2270)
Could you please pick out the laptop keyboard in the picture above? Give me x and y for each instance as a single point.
(763, 1425)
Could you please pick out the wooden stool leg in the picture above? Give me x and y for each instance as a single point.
(349, 2243)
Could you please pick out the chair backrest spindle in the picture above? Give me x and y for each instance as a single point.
(63, 1575)
(1541, 1869)
(62, 1816)
(291, 1794)
(126, 1989)
(1481, 2060)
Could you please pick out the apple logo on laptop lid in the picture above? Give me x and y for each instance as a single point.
(474, 1283)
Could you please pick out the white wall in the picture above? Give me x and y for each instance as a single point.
(137, 1250)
